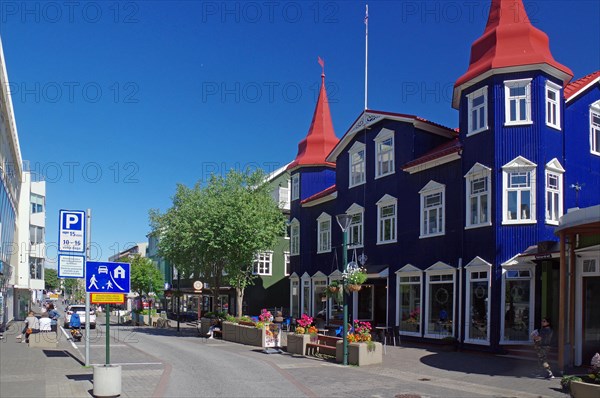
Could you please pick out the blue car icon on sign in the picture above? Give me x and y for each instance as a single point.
(103, 269)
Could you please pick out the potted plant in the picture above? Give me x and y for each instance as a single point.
(587, 385)
(334, 291)
(296, 342)
(355, 277)
(362, 350)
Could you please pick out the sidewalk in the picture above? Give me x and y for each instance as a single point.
(420, 370)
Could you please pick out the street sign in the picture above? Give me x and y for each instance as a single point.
(71, 265)
(107, 298)
(71, 231)
(105, 277)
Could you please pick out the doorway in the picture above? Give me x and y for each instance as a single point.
(591, 318)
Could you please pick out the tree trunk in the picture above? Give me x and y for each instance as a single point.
(240, 300)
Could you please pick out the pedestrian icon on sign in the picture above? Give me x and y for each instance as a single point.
(93, 281)
(109, 285)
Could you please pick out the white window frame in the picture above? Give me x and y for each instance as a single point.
(263, 263)
(554, 195)
(324, 233)
(286, 264)
(474, 273)
(595, 128)
(553, 110)
(381, 157)
(415, 277)
(519, 101)
(519, 167)
(478, 172)
(295, 186)
(385, 202)
(294, 293)
(508, 267)
(294, 237)
(355, 211)
(305, 297)
(433, 189)
(442, 270)
(477, 111)
(357, 168)
(318, 288)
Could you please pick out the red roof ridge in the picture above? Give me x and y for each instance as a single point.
(575, 87)
(442, 150)
(321, 194)
(320, 139)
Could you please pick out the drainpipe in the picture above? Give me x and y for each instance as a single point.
(460, 299)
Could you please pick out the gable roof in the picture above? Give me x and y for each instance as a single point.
(509, 43)
(370, 117)
(573, 89)
(320, 139)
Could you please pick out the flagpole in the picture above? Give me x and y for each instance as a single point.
(366, 51)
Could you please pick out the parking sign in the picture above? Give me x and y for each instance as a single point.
(71, 231)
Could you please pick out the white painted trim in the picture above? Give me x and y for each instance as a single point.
(475, 94)
(433, 163)
(508, 84)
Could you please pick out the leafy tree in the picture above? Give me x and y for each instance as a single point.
(145, 276)
(51, 279)
(70, 285)
(215, 231)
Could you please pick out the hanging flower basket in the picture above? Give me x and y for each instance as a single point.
(354, 288)
(334, 289)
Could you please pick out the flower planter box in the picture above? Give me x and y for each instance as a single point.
(248, 335)
(296, 343)
(580, 389)
(359, 354)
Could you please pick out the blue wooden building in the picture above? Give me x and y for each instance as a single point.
(455, 226)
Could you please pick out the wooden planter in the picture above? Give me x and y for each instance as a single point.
(296, 343)
(248, 335)
(359, 354)
(580, 389)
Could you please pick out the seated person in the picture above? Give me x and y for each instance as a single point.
(214, 325)
(32, 325)
(45, 323)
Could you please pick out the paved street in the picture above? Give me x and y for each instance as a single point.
(164, 363)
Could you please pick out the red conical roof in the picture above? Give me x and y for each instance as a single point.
(509, 41)
(321, 139)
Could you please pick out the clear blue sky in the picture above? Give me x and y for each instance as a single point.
(116, 102)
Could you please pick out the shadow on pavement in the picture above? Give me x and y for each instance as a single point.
(480, 363)
(55, 353)
(83, 377)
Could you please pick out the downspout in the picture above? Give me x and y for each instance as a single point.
(460, 299)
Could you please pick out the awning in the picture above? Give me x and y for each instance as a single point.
(545, 250)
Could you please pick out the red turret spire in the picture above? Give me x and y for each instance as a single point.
(321, 139)
(510, 41)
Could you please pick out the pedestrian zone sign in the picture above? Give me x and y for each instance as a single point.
(71, 231)
(107, 277)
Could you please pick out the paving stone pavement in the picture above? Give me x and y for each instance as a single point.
(35, 372)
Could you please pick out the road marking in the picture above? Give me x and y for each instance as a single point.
(69, 338)
(129, 363)
(104, 345)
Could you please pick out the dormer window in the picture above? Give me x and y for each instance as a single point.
(384, 153)
(356, 154)
(517, 108)
(477, 111)
(553, 105)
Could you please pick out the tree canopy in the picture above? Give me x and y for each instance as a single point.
(215, 231)
(51, 281)
(145, 276)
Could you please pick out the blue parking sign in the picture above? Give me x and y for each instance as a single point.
(71, 231)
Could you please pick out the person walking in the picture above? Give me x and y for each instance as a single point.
(542, 341)
(32, 325)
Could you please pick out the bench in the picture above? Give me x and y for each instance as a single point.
(324, 345)
(43, 340)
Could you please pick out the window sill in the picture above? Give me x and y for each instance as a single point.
(553, 127)
(520, 123)
(324, 251)
(469, 134)
(385, 175)
(478, 342)
(551, 222)
(356, 185)
(475, 226)
(432, 235)
(387, 242)
(519, 222)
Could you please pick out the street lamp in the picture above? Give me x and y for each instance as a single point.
(344, 222)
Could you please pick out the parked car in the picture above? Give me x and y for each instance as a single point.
(80, 309)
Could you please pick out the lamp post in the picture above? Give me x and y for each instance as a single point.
(344, 222)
